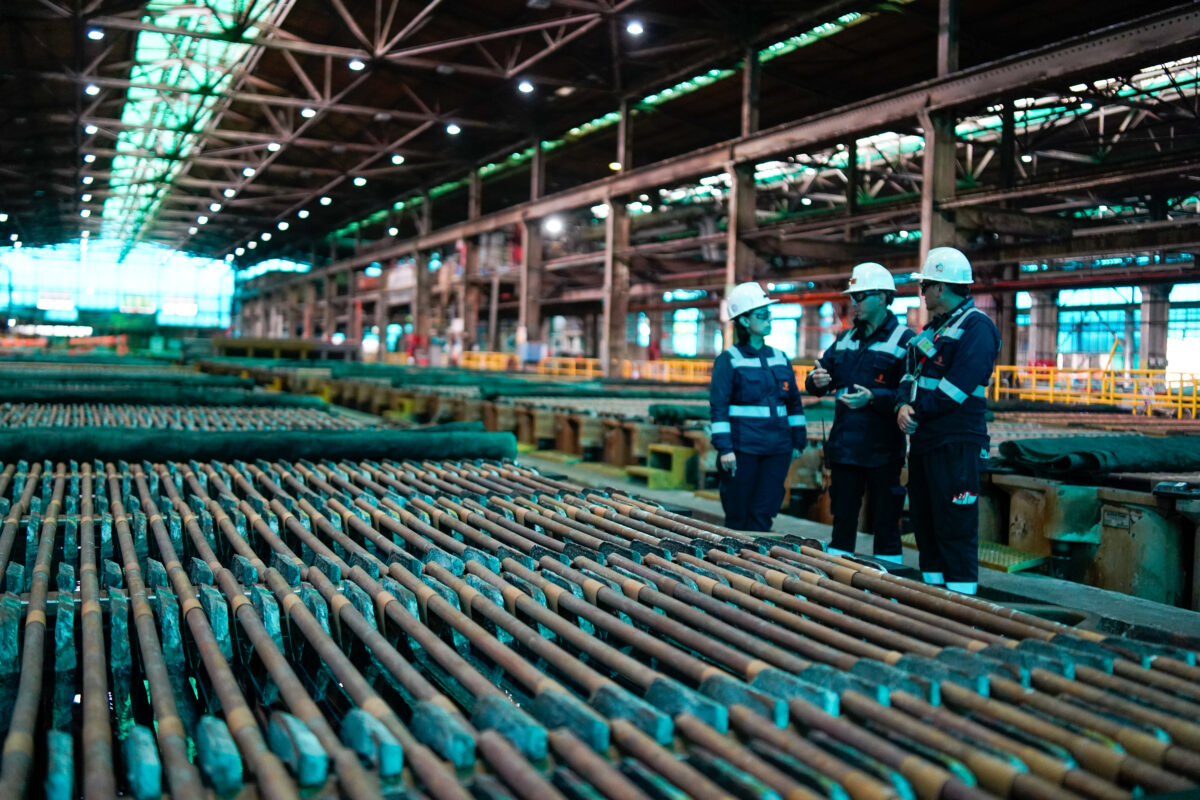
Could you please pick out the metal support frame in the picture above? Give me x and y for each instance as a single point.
(613, 344)
(1043, 327)
(1152, 341)
(739, 257)
(529, 320)
(1141, 38)
(751, 74)
(422, 304)
(537, 171)
(625, 135)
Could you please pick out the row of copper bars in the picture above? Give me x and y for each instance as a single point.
(169, 417)
(477, 629)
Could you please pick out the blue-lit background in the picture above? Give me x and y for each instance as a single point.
(59, 282)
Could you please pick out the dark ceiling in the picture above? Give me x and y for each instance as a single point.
(292, 108)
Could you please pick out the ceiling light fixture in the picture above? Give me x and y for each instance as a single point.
(307, 112)
(266, 236)
(615, 166)
(553, 226)
(251, 244)
(91, 90)
(87, 179)
(85, 213)
(84, 198)
(229, 192)
(393, 231)
(360, 181)
(3, 217)
(273, 147)
(95, 34)
(89, 158)
(302, 213)
(241, 251)
(214, 207)
(397, 160)
(90, 129)
(524, 87)
(357, 64)
(249, 172)
(634, 28)
(453, 129)
(326, 201)
(193, 230)
(202, 220)
(283, 226)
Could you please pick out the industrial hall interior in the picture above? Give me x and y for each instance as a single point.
(599, 399)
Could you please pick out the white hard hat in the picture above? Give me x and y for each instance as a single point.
(746, 297)
(946, 265)
(870, 277)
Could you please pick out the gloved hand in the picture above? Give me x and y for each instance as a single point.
(857, 398)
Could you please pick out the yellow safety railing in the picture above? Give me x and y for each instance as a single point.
(489, 361)
(1142, 391)
(571, 367)
(670, 370)
(693, 371)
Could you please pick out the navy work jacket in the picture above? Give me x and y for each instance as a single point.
(867, 436)
(947, 387)
(755, 403)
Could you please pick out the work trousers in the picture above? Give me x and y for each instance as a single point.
(943, 504)
(752, 495)
(882, 486)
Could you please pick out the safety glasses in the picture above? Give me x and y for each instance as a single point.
(927, 285)
(859, 298)
(761, 316)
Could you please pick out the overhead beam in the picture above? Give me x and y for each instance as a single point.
(266, 100)
(1017, 223)
(1136, 172)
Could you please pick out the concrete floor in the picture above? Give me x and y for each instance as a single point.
(1098, 609)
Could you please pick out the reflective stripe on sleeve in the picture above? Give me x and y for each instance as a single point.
(722, 427)
(952, 391)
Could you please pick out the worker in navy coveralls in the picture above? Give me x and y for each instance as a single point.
(942, 406)
(865, 451)
(757, 419)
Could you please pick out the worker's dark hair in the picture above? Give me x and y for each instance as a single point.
(741, 332)
(961, 289)
(888, 297)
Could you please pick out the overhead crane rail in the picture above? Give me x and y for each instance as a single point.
(368, 628)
